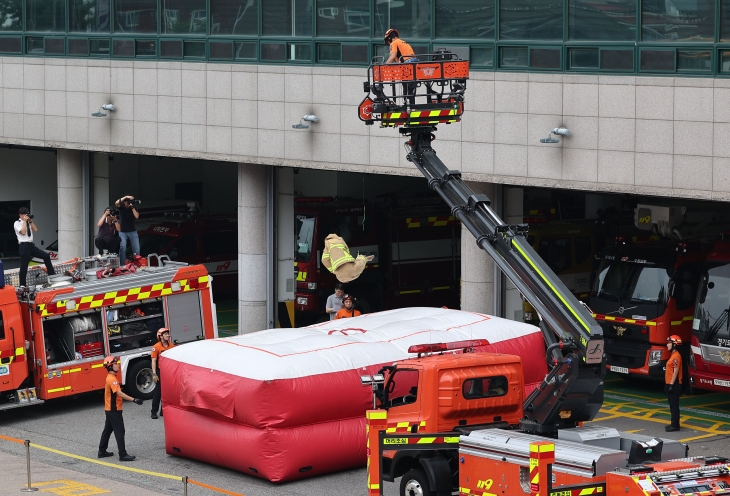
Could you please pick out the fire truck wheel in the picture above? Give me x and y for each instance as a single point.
(415, 483)
(139, 383)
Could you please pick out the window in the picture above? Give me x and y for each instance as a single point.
(657, 60)
(224, 243)
(724, 20)
(694, 60)
(481, 56)
(88, 16)
(245, 50)
(402, 388)
(11, 12)
(513, 57)
(338, 18)
(45, 15)
(712, 325)
(183, 17)
(2, 326)
(304, 226)
(530, 20)
(465, 19)
(233, 17)
(412, 18)
(583, 249)
(138, 16)
(602, 20)
(583, 58)
(286, 17)
(556, 253)
(485, 387)
(677, 20)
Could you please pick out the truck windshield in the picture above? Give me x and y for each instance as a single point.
(711, 324)
(640, 283)
(304, 228)
(402, 388)
(154, 243)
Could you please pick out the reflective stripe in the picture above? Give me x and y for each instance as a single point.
(19, 351)
(59, 389)
(376, 415)
(426, 440)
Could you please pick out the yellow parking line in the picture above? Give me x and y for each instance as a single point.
(695, 438)
(711, 404)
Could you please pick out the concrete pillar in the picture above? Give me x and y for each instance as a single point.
(252, 273)
(101, 186)
(477, 267)
(285, 246)
(70, 204)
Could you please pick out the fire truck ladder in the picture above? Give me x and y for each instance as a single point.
(572, 391)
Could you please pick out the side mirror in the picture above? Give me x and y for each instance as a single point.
(671, 287)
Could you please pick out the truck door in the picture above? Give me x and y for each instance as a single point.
(184, 318)
(7, 353)
(404, 400)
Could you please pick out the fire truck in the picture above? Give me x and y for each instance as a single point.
(709, 360)
(456, 422)
(414, 242)
(54, 334)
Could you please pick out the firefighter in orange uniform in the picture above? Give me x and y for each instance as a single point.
(163, 344)
(400, 51)
(113, 396)
(349, 308)
(673, 381)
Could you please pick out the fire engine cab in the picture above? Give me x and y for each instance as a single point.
(55, 334)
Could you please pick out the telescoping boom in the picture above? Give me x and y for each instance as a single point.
(418, 96)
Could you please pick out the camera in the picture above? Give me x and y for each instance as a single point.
(113, 212)
(30, 216)
(135, 203)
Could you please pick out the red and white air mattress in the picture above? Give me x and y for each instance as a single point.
(285, 404)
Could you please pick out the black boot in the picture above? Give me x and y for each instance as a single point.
(127, 458)
(105, 454)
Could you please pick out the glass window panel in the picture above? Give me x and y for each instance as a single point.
(355, 54)
(273, 52)
(617, 60)
(45, 15)
(545, 58)
(286, 17)
(222, 50)
(88, 16)
(99, 47)
(171, 49)
(677, 20)
(55, 46)
(481, 56)
(238, 17)
(530, 20)
(78, 46)
(11, 13)
(583, 58)
(11, 45)
(245, 50)
(343, 18)
(694, 60)
(194, 49)
(329, 52)
(135, 16)
(183, 17)
(724, 20)
(465, 19)
(299, 51)
(657, 60)
(34, 45)
(145, 47)
(724, 61)
(382, 51)
(602, 20)
(412, 18)
(513, 57)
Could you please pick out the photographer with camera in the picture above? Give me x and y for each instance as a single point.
(24, 229)
(108, 238)
(128, 214)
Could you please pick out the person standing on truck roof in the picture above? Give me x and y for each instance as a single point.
(113, 396)
(163, 344)
(334, 301)
(24, 229)
(108, 238)
(349, 308)
(673, 381)
(128, 230)
(400, 51)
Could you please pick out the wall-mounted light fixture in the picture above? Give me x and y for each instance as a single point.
(101, 112)
(558, 131)
(307, 118)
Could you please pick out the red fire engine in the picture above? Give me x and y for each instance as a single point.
(415, 244)
(53, 338)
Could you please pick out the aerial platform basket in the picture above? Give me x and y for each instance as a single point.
(423, 93)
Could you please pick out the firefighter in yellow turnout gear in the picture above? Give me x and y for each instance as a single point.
(338, 260)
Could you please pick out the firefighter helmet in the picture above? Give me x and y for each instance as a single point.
(161, 331)
(348, 297)
(674, 339)
(109, 361)
(390, 33)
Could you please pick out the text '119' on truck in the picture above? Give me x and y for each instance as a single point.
(456, 420)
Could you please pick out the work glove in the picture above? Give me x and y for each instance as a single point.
(155, 378)
(138, 401)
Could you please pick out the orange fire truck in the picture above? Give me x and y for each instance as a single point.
(55, 335)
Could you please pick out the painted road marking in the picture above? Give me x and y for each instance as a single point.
(65, 487)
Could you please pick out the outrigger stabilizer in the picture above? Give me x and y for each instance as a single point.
(418, 96)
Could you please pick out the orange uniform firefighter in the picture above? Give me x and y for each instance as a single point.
(349, 309)
(163, 344)
(673, 381)
(113, 396)
(400, 51)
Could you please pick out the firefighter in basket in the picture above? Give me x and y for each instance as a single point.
(113, 396)
(163, 344)
(400, 51)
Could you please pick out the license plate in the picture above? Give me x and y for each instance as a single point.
(620, 370)
(720, 382)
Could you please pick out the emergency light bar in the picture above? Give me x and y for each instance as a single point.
(441, 347)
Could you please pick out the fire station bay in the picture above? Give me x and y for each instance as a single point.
(235, 123)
